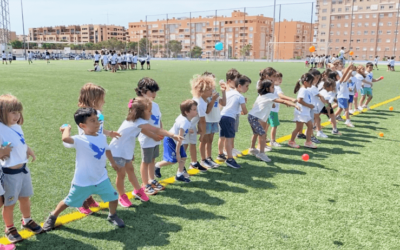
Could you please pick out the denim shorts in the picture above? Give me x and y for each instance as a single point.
(212, 128)
(255, 125)
(77, 195)
(343, 103)
(227, 125)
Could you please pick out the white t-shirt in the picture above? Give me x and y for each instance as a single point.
(128, 58)
(376, 60)
(97, 68)
(368, 78)
(30, 55)
(114, 59)
(124, 147)
(329, 96)
(105, 59)
(315, 100)
(15, 135)
(392, 63)
(201, 111)
(359, 78)
(263, 105)
(135, 59)
(155, 120)
(234, 100)
(352, 85)
(96, 57)
(343, 90)
(317, 59)
(304, 93)
(215, 113)
(307, 59)
(119, 59)
(277, 91)
(341, 54)
(148, 58)
(181, 123)
(4, 55)
(312, 59)
(90, 163)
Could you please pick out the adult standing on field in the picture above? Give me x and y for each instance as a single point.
(341, 55)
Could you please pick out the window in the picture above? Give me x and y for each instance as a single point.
(322, 40)
(380, 24)
(337, 40)
(388, 40)
(357, 48)
(346, 25)
(390, 6)
(390, 14)
(364, 49)
(365, 40)
(332, 17)
(378, 49)
(367, 16)
(389, 32)
(360, 16)
(379, 40)
(389, 23)
(387, 49)
(333, 10)
(346, 17)
(358, 41)
(380, 32)
(359, 24)
(324, 18)
(339, 9)
(366, 24)
(382, 7)
(344, 41)
(371, 49)
(359, 32)
(323, 10)
(322, 33)
(381, 15)
(345, 33)
(338, 25)
(338, 33)
(347, 9)
(365, 32)
(372, 40)
(374, 15)
(353, 24)
(374, 24)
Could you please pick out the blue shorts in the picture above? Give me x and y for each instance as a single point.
(170, 150)
(227, 125)
(343, 103)
(351, 98)
(77, 195)
(212, 128)
(366, 91)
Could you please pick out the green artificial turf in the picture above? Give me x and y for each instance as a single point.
(345, 197)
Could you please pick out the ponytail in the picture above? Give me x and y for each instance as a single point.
(307, 77)
(297, 87)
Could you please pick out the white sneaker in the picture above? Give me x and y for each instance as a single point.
(205, 164)
(254, 151)
(266, 148)
(236, 152)
(321, 134)
(263, 157)
(351, 112)
(275, 144)
(360, 108)
(349, 124)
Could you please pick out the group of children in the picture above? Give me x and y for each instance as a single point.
(113, 61)
(5, 57)
(207, 113)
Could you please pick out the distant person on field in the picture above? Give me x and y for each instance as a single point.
(97, 68)
(148, 60)
(10, 57)
(30, 57)
(376, 62)
(47, 56)
(4, 56)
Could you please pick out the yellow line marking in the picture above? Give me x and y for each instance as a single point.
(65, 219)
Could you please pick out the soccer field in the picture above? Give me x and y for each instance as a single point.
(346, 196)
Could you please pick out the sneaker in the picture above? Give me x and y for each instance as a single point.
(263, 157)
(124, 201)
(205, 163)
(157, 172)
(236, 152)
(157, 186)
(301, 136)
(351, 112)
(198, 167)
(360, 108)
(12, 235)
(32, 226)
(84, 210)
(368, 108)
(321, 134)
(185, 173)
(115, 220)
(339, 118)
(140, 195)
(7, 247)
(293, 144)
(215, 165)
(349, 124)
(336, 132)
(315, 140)
(149, 190)
(275, 144)
(309, 145)
(232, 163)
(182, 179)
(50, 223)
(254, 151)
(221, 157)
(91, 202)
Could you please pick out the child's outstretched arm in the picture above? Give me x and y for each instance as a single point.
(244, 109)
(112, 134)
(282, 96)
(303, 103)
(287, 103)
(160, 131)
(66, 134)
(114, 165)
(152, 135)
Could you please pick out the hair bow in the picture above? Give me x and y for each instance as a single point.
(130, 103)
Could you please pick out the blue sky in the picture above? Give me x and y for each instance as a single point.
(39, 13)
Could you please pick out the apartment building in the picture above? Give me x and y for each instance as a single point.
(11, 35)
(292, 39)
(77, 33)
(235, 31)
(367, 27)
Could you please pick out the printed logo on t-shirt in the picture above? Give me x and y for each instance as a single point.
(370, 77)
(216, 104)
(186, 132)
(156, 119)
(99, 151)
(21, 136)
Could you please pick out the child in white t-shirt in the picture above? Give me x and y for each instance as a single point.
(343, 94)
(10, 57)
(149, 141)
(174, 152)
(213, 116)
(104, 60)
(366, 87)
(4, 56)
(135, 59)
(96, 57)
(304, 114)
(234, 101)
(148, 57)
(328, 93)
(91, 175)
(123, 148)
(259, 114)
(17, 181)
(307, 61)
(376, 60)
(202, 87)
(360, 77)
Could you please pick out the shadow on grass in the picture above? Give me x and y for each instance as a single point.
(144, 228)
(192, 197)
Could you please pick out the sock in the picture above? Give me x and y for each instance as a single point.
(10, 226)
(157, 166)
(179, 174)
(26, 220)
(151, 181)
(109, 214)
(194, 163)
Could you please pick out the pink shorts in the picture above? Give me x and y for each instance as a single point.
(356, 95)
